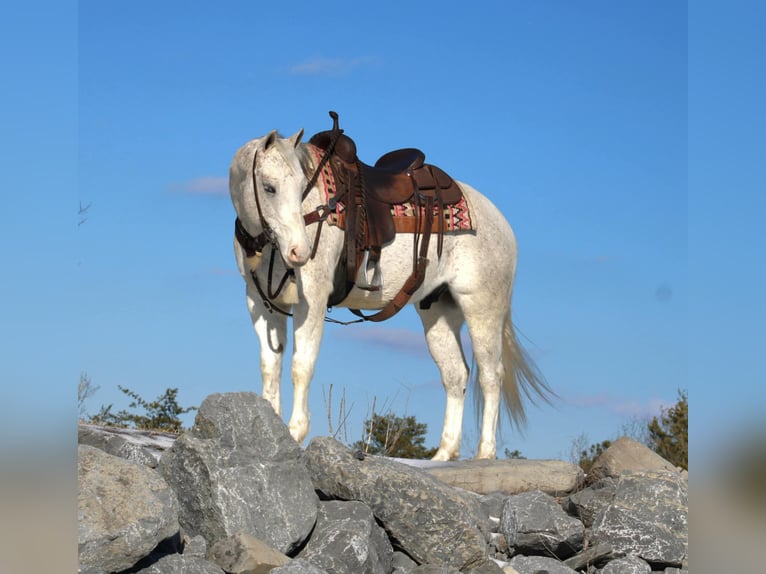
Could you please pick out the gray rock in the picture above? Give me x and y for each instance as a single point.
(593, 555)
(491, 506)
(298, 566)
(627, 565)
(124, 510)
(435, 569)
(588, 503)
(245, 554)
(538, 564)
(195, 546)
(487, 567)
(648, 518)
(627, 455)
(181, 564)
(239, 470)
(402, 562)
(509, 475)
(144, 446)
(116, 445)
(534, 523)
(347, 540)
(429, 520)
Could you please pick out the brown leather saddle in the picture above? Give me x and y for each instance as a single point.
(368, 194)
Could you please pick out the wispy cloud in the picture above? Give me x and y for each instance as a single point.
(641, 410)
(208, 185)
(329, 66)
(618, 405)
(399, 340)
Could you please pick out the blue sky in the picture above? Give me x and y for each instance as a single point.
(571, 117)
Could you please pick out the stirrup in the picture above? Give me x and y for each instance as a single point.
(361, 275)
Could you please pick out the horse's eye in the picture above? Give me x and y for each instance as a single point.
(268, 188)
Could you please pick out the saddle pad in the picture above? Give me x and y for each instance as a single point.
(456, 217)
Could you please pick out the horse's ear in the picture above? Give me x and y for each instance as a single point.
(296, 138)
(270, 139)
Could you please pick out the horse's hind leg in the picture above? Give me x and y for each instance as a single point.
(442, 323)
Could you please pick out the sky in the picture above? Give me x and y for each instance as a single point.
(571, 117)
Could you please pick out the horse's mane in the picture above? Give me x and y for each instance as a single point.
(305, 158)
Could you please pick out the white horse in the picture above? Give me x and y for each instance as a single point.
(268, 176)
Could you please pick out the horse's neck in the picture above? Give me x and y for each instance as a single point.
(316, 195)
(331, 239)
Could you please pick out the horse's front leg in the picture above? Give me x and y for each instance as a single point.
(308, 323)
(271, 329)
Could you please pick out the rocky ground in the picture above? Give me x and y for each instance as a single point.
(237, 495)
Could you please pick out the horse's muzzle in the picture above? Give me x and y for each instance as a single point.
(297, 255)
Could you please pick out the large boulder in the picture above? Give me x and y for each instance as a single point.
(627, 455)
(648, 518)
(534, 523)
(124, 511)
(590, 502)
(429, 520)
(347, 540)
(239, 470)
(118, 442)
(511, 476)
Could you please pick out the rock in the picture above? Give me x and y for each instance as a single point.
(196, 546)
(491, 506)
(627, 565)
(245, 554)
(648, 517)
(435, 569)
(181, 564)
(115, 444)
(347, 540)
(626, 454)
(537, 564)
(534, 523)
(402, 561)
(487, 567)
(240, 475)
(239, 470)
(298, 566)
(124, 510)
(423, 516)
(497, 543)
(588, 503)
(593, 555)
(511, 476)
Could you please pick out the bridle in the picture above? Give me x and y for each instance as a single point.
(254, 245)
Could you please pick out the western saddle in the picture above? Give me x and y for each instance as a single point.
(367, 194)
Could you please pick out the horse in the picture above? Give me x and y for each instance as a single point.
(468, 281)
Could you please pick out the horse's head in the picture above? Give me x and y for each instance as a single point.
(266, 183)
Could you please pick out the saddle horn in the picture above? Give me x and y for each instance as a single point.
(335, 121)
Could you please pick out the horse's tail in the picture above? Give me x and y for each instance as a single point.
(521, 374)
